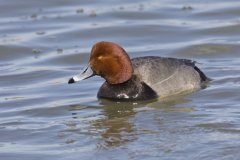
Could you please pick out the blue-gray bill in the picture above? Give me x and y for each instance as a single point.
(87, 73)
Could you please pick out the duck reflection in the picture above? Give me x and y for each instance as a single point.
(115, 122)
(117, 125)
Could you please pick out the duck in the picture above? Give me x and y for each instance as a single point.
(140, 78)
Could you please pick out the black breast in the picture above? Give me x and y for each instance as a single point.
(133, 89)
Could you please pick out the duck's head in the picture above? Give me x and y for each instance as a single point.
(109, 61)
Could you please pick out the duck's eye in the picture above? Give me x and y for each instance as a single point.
(100, 57)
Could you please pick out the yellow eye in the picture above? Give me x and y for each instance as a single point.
(100, 57)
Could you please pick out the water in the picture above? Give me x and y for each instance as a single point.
(44, 43)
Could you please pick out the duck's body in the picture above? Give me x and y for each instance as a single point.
(140, 78)
(156, 77)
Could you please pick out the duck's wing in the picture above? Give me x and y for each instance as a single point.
(168, 73)
(156, 69)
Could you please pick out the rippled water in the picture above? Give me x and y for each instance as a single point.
(43, 43)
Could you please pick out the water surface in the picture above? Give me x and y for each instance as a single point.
(43, 43)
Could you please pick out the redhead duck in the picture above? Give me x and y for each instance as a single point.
(139, 78)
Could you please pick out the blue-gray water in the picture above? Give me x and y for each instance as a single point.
(43, 43)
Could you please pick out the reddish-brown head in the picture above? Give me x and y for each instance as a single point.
(111, 62)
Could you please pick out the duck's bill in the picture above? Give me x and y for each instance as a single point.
(86, 73)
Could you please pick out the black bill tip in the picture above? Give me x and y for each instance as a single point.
(71, 80)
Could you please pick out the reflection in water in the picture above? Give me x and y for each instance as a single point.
(117, 125)
(118, 131)
(114, 124)
(172, 104)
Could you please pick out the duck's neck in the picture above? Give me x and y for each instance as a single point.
(133, 89)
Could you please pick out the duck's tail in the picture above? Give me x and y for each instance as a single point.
(203, 77)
